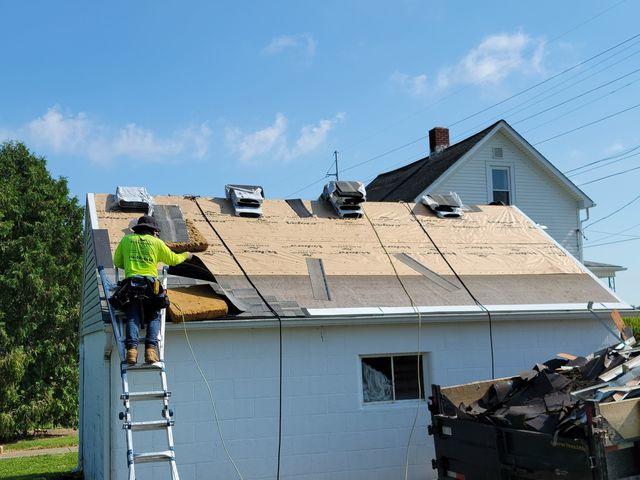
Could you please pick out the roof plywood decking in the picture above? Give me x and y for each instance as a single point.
(506, 259)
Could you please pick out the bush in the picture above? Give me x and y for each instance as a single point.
(635, 324)
(40, 275)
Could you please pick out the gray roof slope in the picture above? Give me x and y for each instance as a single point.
(406, 183)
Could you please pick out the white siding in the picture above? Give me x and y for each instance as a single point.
(328, 432)
(538, 194)
(95, 406)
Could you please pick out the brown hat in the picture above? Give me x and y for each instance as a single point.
(148, 222)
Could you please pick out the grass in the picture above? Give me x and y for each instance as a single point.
(43, 442)
(635, 324)
(41, 467)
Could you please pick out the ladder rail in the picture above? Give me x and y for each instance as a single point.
(108, 287)
(118, 328)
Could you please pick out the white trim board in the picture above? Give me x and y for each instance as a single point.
(91, 208)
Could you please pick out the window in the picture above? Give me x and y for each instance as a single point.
(393, 377)
(501, 185)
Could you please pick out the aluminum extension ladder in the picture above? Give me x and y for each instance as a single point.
(127, 397)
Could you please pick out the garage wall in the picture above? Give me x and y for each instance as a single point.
(328, 432)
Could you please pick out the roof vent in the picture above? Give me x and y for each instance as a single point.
(346, 197)
(246, 199)
(134, 198)
(497, 152)
(444, 206)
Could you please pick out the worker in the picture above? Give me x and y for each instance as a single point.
(140, 294)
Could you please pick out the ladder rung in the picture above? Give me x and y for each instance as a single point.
(145, 395)
(145, 366)
(149, 425)
(167, 455)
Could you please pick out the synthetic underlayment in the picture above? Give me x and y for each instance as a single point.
(500, 254)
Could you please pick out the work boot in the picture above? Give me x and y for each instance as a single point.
(132, 356)
(150, 354)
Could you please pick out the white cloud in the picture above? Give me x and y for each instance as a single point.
(272, 140)
(495, 58)
(77, 134)
(413, 85)
(61, 133)
(489, 63)
(303, 42)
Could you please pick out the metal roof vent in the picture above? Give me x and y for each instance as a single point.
(246, 199)
(134, 198)
(346, 197)
(444, 206)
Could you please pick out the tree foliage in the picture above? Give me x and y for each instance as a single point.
(40, 281)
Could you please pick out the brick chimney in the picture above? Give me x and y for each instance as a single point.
(438, 139)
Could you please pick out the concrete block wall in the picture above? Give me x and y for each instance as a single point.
(328, 433)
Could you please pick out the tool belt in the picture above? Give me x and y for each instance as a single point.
(145, 290)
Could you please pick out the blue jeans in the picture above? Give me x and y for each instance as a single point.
(134, 313)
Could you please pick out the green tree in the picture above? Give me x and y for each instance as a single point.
(40, 278)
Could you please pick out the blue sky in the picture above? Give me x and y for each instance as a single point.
(184, 97)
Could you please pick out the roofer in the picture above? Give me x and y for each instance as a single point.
(140, 294)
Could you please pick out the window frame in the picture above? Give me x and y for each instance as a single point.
(394, 401)
(510, 183)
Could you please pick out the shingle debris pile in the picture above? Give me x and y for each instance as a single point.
(550, 398)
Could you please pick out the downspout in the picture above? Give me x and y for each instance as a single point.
(580, 234)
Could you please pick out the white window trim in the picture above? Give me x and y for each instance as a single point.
(510, 168)
(397, 403)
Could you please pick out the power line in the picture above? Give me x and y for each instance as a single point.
(546, 80)
(527, 103)
(602, 119)
(480, 80)
(580, 95)
(586, 104)
(393, 150)
(606, 217)
(609, 176)
(616, 234)
(632, 149)
(611, 243)
(611, 162)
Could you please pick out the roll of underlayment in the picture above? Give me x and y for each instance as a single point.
(198, 302)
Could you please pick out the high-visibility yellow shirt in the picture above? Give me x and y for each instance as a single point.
(140, 255)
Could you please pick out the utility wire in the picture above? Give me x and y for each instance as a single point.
(526, 104)
(610, 162)
(211, 397)
(609, 176)
(606, 217)
(586, 104)
(616, 234)
(275, 314)
(473, 297)
(546, 80)
(580, 95)
(615, 155)
(611, 243)
(480, 80)
(602, 119)
(419, 314)
(359, 164)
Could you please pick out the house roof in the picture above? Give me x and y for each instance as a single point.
(408, 182)
(599, 266)
(301, 264)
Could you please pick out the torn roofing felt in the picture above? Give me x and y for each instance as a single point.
(498, 252)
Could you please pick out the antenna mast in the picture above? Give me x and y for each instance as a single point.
(335, 155)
